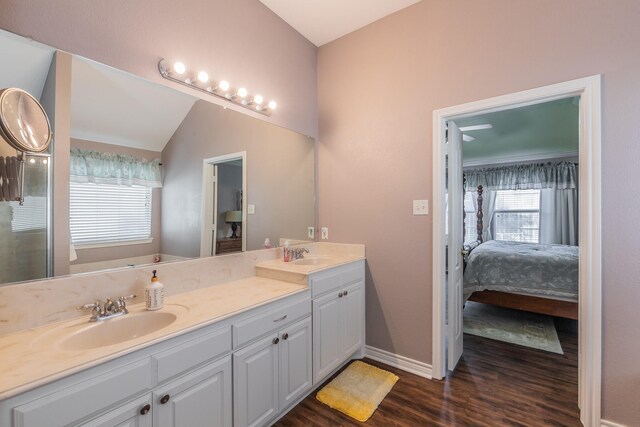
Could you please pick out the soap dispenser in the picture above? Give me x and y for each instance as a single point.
(154, 292)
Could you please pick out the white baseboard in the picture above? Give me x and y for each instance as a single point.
(605, 423)
(401, 362)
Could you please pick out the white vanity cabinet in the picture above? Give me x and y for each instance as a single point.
(244, 370)
(136, 413)
(189, 379)
(180, 382)
(273, 372)
(87, 397)
(338, 317)
(201, 398)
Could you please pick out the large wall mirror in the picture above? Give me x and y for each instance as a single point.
(154, 174)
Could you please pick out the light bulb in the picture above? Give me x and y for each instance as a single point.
(272, 105)
(203, 77)
(224, 85)
(32, 161)
(258, 99)
(179, 68)
(242, 92)
(45, 161)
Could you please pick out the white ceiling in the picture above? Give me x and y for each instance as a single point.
(25, 63)
(114, 107)
(322, 21)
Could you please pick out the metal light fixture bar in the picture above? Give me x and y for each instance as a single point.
(222, 89)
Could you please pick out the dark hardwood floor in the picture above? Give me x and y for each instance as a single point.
(495, 384)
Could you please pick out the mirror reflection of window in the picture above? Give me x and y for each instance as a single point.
(109, 214)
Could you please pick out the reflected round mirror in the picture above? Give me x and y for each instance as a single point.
(23, 121)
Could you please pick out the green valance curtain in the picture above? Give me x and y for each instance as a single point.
(114, 169)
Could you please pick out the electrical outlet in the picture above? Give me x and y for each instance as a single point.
(251, 209)
(421, 207)
(311, 233)
(324, 233)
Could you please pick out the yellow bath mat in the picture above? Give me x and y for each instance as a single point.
(358, 390)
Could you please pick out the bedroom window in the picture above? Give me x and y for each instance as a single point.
(105, 215)
(470, 218)
(517, 215)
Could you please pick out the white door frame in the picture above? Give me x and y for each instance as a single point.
(590, 272)
(207, 172)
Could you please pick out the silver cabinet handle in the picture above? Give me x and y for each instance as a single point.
(276, 340)
(345, 293)
(340, 295)
(281, 318)
(285, 336)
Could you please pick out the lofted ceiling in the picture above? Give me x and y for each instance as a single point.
(26, 63)
(114, 107)
(536, 132)
(322, 21)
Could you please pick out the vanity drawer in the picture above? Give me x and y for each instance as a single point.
(323, 282)
(94, 395)
(255, 327)
(186, 356)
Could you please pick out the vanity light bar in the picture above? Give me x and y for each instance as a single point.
(221, 88)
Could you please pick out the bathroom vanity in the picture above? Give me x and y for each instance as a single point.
(242, 337)
(240, 353)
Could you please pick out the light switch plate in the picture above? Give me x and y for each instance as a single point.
(251, 209)
(324, 233)
(311, 233)
(421, 207)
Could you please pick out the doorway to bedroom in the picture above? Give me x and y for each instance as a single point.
(516, 190)
(520, 235)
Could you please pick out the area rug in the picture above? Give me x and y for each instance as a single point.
(512, 326)
(358, 390)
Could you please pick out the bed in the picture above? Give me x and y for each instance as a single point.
(526, 276)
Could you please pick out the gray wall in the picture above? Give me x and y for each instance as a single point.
(280, 168)
(124, 251)
(378, 87)
(241, 41)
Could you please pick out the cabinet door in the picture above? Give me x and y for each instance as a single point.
(255, 382)
(87, 398)
(327, 353)
(201, 398)
(128, 415)
(353, 323)
(295, 361)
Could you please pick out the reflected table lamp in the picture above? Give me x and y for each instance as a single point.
(233, 218)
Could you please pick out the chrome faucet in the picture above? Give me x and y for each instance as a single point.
(298, 253)
(107, 310)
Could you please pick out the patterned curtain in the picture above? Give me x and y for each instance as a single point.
(557, 176)
(114, 169)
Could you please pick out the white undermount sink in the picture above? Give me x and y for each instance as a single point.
(312, 260)
(117, 330)
(84, 335)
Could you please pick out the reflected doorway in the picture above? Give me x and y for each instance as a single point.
(224, 220)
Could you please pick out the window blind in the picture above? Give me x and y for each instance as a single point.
(32, 215)
(517, 215)
(470, 219)
(101, 213)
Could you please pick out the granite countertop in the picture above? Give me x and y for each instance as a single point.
(28, 359)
